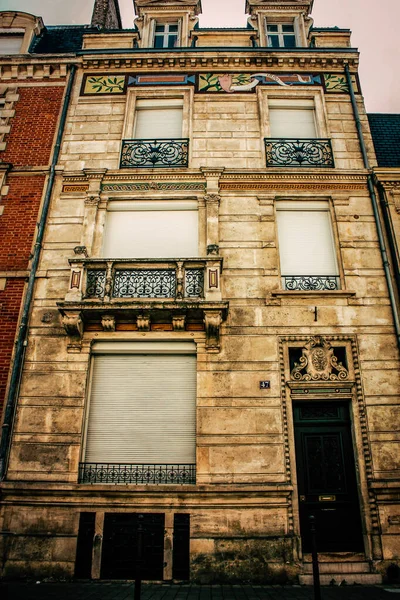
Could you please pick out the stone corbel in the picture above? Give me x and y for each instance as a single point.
(73, 325)
(178, 322)
(212, 321)
(143, 322)
(108, 322)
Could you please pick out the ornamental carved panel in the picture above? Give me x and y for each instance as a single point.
(319, 363)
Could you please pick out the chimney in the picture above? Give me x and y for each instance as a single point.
(106, 14)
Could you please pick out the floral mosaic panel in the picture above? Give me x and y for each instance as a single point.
(98, 85)
(228, 83)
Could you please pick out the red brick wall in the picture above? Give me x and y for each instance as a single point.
(33, 127)
(29, 143)
(10, 302)
(18, 221)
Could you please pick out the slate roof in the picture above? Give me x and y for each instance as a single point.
(60, 40)
(66, 38)
(385, 129)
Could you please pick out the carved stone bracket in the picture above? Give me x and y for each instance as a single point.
(73, 325)
(212, 321)
(178, 322)
(108, 322)
(143, 322)
(319, 363)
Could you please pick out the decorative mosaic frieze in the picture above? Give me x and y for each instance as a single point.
(229, 83)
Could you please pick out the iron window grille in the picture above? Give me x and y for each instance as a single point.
(292, 152)
(308, 283)
(151, 153)
(137, 474)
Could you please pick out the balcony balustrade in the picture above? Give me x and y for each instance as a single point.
(162, 153)
(307, 283)
(137, 474)
(299, 153)
(143, 292)
(107, 280)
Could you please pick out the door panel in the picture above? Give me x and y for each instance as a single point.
(326, 477)
(120, 546)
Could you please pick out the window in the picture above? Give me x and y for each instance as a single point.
(292, 118)
(158, 118)
(11, 42)
(166, 35)
(306, 246)
(151, 230)
(281, 35)
(142, 409)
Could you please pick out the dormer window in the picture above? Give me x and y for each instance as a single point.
(166, 35)
(11, 40)
(281, 35)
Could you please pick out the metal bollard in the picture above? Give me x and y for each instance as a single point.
(314, 554)
(139, 559)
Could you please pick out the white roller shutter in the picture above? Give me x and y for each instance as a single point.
(157, 120)
(306, 243)
(151, 234)
(11, 44)
(290, 119)
(142, 409)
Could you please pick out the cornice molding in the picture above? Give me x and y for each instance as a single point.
(223, 61)
(35, 68)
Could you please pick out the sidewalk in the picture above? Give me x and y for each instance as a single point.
(124, 591)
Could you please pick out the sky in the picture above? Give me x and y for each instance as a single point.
(374, 24)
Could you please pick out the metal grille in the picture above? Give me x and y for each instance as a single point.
(160, 283)
(318, 412)
(311, 282)
(155, 153)
(157, 474)
(194, 283)
(299, 152)
(95, 283)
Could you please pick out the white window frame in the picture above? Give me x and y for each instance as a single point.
(281, 34)
(167, 33)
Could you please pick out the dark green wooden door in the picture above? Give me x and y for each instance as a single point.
(326, 476)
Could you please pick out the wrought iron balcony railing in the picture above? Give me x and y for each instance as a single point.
(157, 474)
(155, 153)
(311, 282)
(174, 279)
(294, 152)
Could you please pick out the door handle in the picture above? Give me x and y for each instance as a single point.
(302, 498)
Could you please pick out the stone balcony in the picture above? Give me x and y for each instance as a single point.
(145, 295)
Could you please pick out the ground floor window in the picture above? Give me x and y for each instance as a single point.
(141, 425)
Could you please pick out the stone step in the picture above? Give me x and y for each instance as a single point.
(338, 579)
(339, 567)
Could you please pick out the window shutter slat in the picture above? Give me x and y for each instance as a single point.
(151, 234)
(142, 409)
(306, 244)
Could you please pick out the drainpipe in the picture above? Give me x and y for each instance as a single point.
(371, 189)
(21, 342)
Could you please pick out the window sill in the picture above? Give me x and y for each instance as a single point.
(312, 293)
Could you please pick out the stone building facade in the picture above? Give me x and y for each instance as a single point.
(212, 353)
